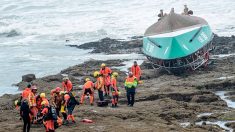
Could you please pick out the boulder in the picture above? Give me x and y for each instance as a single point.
(28, 77)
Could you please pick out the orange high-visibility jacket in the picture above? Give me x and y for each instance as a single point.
(25, 93)
(136, 71)
(114, 83)
(67, 86)
(100, 83)
(106, 71)
(32, 99)
(88, 85)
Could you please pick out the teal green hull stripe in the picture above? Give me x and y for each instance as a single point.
(177, 46)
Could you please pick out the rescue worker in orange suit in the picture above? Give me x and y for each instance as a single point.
(99, 85)
(106, 73)
(33, 103)
(56, 99)
(48, 123)
(70, 103)
(130, 86)
(43, 98)
(88, 89)
(55, 91)
(67, 85)
(135, 69)
(114, 89)
(25, 93)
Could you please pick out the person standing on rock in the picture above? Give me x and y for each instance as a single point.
(99, 85)
(130, 86)
(33, 103)
(106, 73)
(24, 113)
(136, 70)
(67, 85)
(114, 89)
(25, 93)
(70, 103)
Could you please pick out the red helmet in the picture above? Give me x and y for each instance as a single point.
(57, 89)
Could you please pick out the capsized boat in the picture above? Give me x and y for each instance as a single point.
(178, 41)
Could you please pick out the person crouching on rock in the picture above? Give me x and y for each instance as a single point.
(70, 103)
(24, 113)
(33, 103)
(114, 89)
(88, 90)
(106, 73)
(48, 122)
(130, 86)
(99, 85)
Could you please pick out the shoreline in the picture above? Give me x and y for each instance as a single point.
(163, 101)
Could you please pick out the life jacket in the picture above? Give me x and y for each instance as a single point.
(99, 83)
(67, 86)
(88, 85)
(136, 71)
(25, 93)
(51, 114)
(105, 71)
(32, 99)
(131, 82)
(114, 84)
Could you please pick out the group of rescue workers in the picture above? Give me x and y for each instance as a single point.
(58, 109)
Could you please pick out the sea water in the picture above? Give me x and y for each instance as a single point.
(33, 33)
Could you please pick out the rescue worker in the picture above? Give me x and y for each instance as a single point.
(99, 85)
(130, 86)
(24, 113)
(43, 98)
(25, 93)
(114, 89)
(55, 91)
(67, 85)
(88, 90)
(48, 123)
(106, 73)
(56, 99)
(70, 103)
(63, 108)
(33, 103)
(135, 69)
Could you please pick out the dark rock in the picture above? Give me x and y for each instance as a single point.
(28, 77)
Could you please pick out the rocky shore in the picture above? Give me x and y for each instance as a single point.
(163, 103)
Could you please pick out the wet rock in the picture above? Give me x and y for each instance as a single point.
(28, 77)
(205, 98)
(230, 125)
(51, 78)
(112, 46)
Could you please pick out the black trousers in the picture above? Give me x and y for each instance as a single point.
(130, 96)
(101, 96)
(27, 123)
